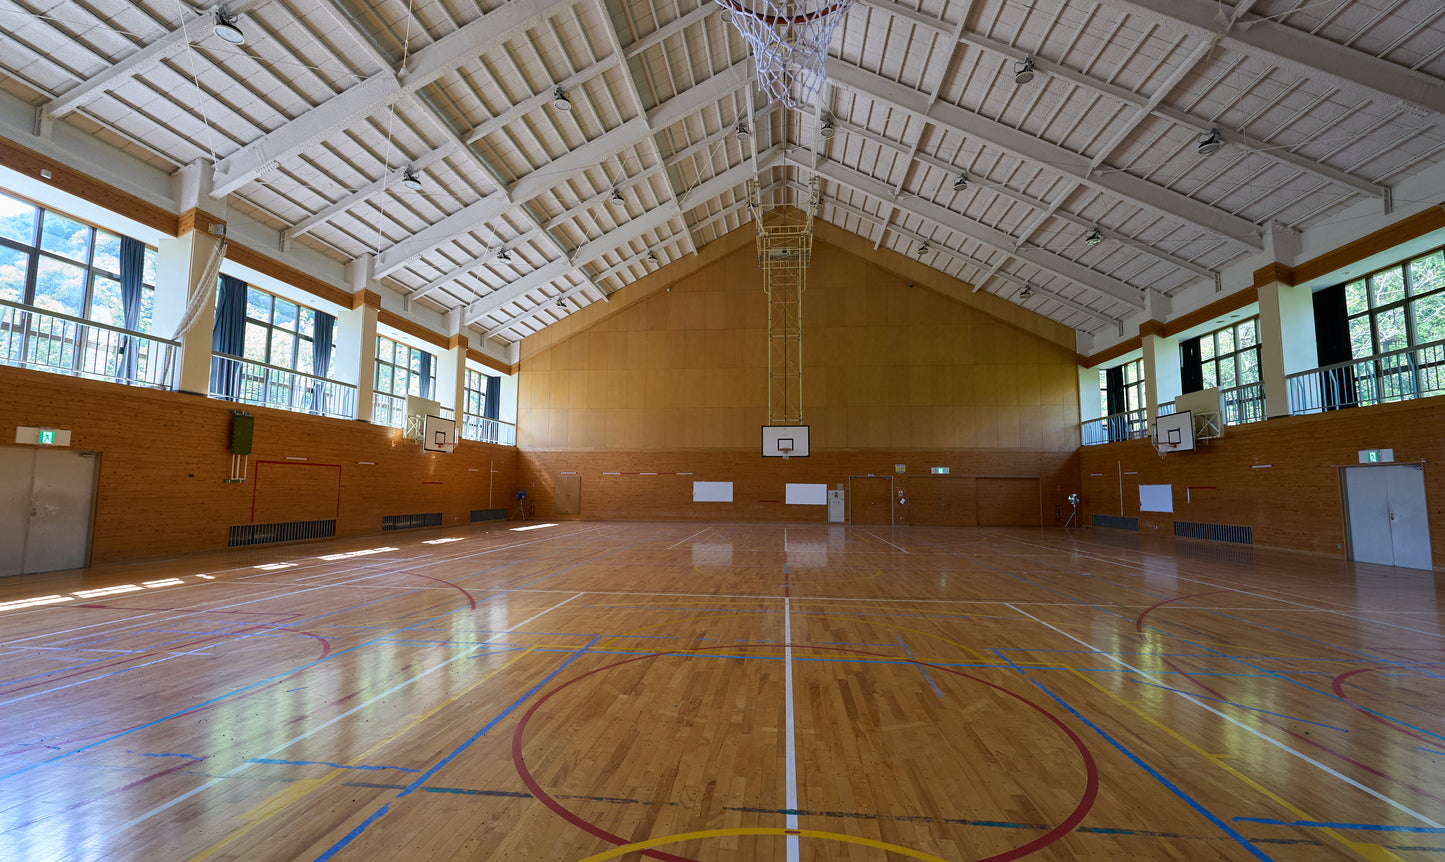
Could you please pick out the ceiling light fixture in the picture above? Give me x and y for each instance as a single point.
(962, 182)
(1026, 292)
(1210, 143)
(1024, 70)
(561, 302)
(560, 100)
(826, 129)
(742, 132)
(410, 179)
(503, 255)
(226, 28)
(652, 257)
(617, 199)
(1094, 237)
(923, 248)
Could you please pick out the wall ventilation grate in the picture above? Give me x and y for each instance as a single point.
(293, 531)
(488, 515)
(1117, 522)
(1214, 532)
(408, 522)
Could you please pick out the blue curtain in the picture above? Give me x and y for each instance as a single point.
(132, 277)
(494, 397)
(228, 336)
(424, 385)
(321, 343)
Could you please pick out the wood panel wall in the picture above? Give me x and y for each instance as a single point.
(1279, 477)
(165, 458)
(675, 382)
(885, 366)
(640, 484)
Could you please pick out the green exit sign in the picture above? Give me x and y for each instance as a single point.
(46, 437)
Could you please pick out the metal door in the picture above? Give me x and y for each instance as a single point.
(1385, 508)
(46, 497)
(17, 467)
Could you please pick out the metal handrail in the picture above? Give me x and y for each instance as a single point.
(485, 430)
(32, 337)
(246, 381)
(1397, 375)
(1130, 425)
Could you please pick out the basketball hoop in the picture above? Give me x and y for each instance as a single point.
(786, 451)
(1165, 448)
(790, 40)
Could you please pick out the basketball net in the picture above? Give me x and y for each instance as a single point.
(786, 451)
(790, 41)
(1165, 448)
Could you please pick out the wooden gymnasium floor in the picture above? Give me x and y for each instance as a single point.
(586, 691)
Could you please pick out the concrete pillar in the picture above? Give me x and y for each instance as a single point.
(356, 337)
(452, 376)
(1162, 376)
(1286, 341)
(180, 263)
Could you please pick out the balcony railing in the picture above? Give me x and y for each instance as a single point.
(1243, 404)
(1400, 375)
(1115, 427)
(247, 382)
(388, 410)
(488, 430)
(50, 341)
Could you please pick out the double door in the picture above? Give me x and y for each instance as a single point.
(46, 498)
(1388, 520)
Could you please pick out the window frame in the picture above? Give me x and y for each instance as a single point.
(412, 371)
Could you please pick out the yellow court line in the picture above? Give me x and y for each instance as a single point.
(1372, 852)
(758, 830)
(293, 793)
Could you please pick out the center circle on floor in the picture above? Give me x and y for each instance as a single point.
(1081, 809)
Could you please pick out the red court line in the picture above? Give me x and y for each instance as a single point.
(1338, 685)
(471, 601)
(1075, 817)
(1139, 620)
(1309, 740)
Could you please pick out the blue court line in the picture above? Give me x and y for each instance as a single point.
(1177, 791)
(171, 754)
(425, 776)
(1181, 638)
(1372, 827)
(291, 623)
(1240, 705)
(908, 652)
(1428, 750)
(276, 762)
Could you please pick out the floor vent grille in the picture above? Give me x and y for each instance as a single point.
(409, 522)
(292, 531)
(1117, 522)
(1214, 532)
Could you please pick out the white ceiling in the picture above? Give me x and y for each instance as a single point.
(1322, 106)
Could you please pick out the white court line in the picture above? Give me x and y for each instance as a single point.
(791, 752)
(134, 821)
(694, 535)
(1241, 725)
(884, 541)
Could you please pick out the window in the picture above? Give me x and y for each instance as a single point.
(62, 266)
(1229, 359)
(1121, 400)
(402, 370)
(1397, 307)
(59, 264)
(280, 332)
(476, 392)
